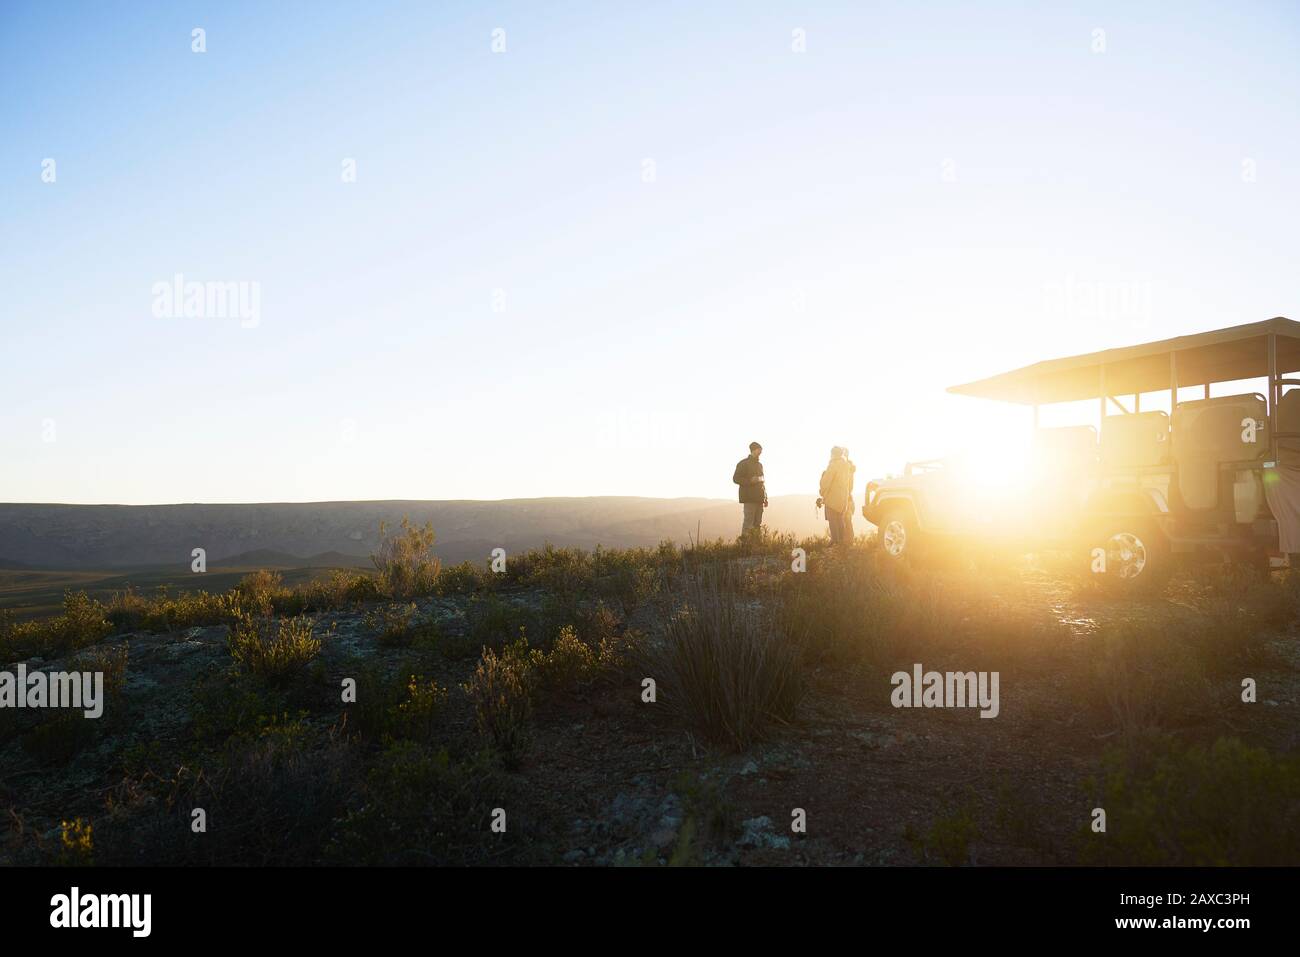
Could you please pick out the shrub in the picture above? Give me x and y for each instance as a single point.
(598, 624)
(419, 716)
(708, 814)
(1145, 678)
(83, 622)
(423, 807)
(261, 594)
(189, 610)
(57, 739)
(377, 697)
(560, 571)
(463, 579)
(398, 626)
(458, 647)
(402, 706)
(340, 588)
(227, 706)
(127, 610)
(500, 692)
(629, 576)
(724, 668)
(270, 648)
(405, 563)
(569, 664)
(111, 661)
(76, 843)
(948, 838)
(840, 610)
(273, 797)
(849, 608)
(1169, 804)
(259, 591)
(55, 736)
(493, 621)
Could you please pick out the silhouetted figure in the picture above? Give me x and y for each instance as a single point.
(837, 496)
(753, 491)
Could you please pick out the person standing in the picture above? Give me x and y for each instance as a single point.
(849, 507)
(837, 496)
(753, 491)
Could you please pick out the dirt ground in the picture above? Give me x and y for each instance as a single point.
(610, 780)
(871, 779)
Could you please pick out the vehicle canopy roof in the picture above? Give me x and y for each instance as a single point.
(1223, 355)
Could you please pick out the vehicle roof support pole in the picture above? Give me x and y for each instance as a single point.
(1274, 390)
(1137, 402)
(1101, 387)
(1173, 382)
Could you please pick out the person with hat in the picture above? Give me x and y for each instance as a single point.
(836, 495)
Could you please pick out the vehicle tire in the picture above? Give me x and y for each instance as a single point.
(898, 534)
(1137, 559)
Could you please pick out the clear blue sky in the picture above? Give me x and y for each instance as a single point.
(928, 194)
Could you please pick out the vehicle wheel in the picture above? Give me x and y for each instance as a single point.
(1129, 557)
(898, 534)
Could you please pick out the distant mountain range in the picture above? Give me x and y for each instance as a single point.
(345, 533)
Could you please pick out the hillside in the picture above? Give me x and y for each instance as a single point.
(305, 534)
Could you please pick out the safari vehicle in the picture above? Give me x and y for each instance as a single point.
(1214, 476)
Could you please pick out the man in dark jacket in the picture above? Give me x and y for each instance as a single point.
(753, 492)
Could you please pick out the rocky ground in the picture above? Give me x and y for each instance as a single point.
(611, 780)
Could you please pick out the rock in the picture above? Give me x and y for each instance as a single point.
(664, 837)
(758, 833)
(574, 856)
(749, 767)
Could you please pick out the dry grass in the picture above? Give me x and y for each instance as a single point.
(723, 667)
(270, 648)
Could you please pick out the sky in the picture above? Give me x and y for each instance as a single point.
(500, 250)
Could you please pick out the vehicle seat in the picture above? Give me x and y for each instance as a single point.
(1135, 441)
(1288, 420)
(1209, 432)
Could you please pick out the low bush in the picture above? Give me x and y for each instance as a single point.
(948, 839)
(83, 622)
(500, 690)
(339, 589)
(272, 649)
(405, 562)
(422, 806)
(401, 706)
(1138, 679)
(271, 797)
(399, 626)
(1168, 804)
(723, 666)
(463, 579)
(493, 622)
